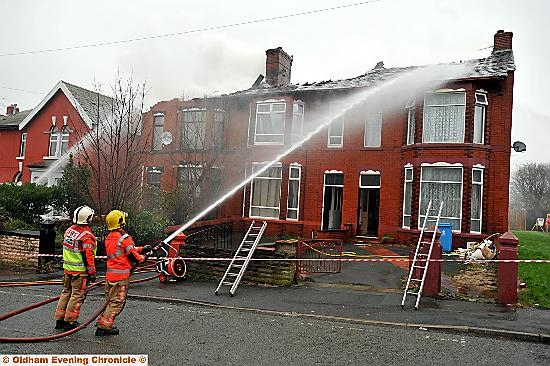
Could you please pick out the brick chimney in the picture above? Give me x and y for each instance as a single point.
(12, 109)
(277, 67)
(503, 40)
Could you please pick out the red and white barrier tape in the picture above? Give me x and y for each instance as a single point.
(342, 259)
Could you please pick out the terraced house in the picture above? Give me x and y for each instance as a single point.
(370, 172)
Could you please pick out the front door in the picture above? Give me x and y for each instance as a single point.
(369, 204)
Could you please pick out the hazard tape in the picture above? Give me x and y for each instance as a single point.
(312, 259)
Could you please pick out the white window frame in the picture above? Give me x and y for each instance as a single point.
(411, 120)
(280, 137)
(334, 135)
(325, 185)
(294, 166)
(64, 140)
(55, 136)
(421, 214)
(481, 104)
(153, 170)
(479, 184)
(407, 184)
(427, 107)
(373, 119)
(297, 121)
(280, 179)
(23, 145)
(157, 140)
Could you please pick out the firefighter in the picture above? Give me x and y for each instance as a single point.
(121, 255)
(79, 248)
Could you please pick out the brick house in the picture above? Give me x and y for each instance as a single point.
(371, 171)
(37, 139)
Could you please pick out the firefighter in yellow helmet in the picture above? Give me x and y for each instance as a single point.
(79, 249)
(121, 254)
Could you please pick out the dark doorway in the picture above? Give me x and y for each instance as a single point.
(369, 204)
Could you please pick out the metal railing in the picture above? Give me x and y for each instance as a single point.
(218, 236)
(308, 251)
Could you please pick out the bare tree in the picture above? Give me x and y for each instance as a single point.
(530, 189)
(114, 150)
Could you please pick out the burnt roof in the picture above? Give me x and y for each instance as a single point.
(496, 65)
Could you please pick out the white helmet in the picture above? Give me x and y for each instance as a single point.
(83, 215)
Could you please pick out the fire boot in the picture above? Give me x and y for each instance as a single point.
(71, 325)
(100, 332)
(60, 324)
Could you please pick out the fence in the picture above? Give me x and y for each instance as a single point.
(218, 237)
(308, 251)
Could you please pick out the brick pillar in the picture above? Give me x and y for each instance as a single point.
(507, 248)
(174, 249)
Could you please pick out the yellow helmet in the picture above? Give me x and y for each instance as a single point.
(116, 219)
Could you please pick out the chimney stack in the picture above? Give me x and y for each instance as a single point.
(12, 109)
(277, 67)
(503, 40)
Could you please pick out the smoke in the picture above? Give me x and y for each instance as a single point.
(207, 64)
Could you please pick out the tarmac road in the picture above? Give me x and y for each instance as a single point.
(184, 334)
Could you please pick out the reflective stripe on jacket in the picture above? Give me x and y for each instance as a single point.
(79, 239)
(118, 246)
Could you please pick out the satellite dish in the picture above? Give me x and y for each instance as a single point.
(519, 146)
(166, 138)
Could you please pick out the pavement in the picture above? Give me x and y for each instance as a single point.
(363, 292)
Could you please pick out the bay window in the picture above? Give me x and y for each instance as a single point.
(444, 114)
(265, 191)
(477, 200)
(270, 123)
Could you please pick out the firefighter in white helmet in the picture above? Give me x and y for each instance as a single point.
(79, 249)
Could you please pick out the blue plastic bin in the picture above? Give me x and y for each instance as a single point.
(446, 237)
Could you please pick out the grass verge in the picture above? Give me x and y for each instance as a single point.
(534, 245)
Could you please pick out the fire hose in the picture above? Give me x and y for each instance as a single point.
(66, 333)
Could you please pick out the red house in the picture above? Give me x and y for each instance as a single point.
(371, 171)
(36, 142)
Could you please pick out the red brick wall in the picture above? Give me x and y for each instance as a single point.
(11, 140)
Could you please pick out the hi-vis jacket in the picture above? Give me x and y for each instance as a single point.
(119, 246)
(79, 248)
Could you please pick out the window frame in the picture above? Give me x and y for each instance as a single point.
(291, 179)
(427, 107)
(295, 134)
(194, 126)
(481, 103)
(480, 185)
(150, 171)
(23, 144)
(371, 117)
(421, 213)
(64, 140)
(260, 177)
(54, 142)
(411, 121)
(407, 185)
(280, 136)
(156, 143)
(195, 183)
(325, 185)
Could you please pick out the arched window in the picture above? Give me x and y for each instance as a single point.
(54, 141)
(64, 140)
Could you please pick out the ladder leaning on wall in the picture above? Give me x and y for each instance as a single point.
(421, 260)
(235, 271)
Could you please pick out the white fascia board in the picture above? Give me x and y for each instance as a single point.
(70, 97)
(369, 172)
(442, 163)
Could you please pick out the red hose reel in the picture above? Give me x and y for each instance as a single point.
(169, 264)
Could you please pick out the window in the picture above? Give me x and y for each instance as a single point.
(270, 123)
(477, 198)
(158, 129)
(23, 145)
(444, 117)
(411, 121)
(332, 200)
(373, 129)
(266, 192)
(189, 179)
(193, 131)
(297, 121)
(407, 197)
(217, 130)
(479, 117)
(54, 141)
(293, 202)
(64, 140)
(442, 183)
(18, 179)
(336, 133)
(153, 176)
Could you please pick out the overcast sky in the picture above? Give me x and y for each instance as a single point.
(334, 44)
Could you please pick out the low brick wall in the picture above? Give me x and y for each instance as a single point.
(278, 273)
(20, 242)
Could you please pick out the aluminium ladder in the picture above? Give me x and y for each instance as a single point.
(421, 260)
(235, 271)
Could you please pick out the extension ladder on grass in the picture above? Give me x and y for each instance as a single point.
(421, 260)
(236, 268)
